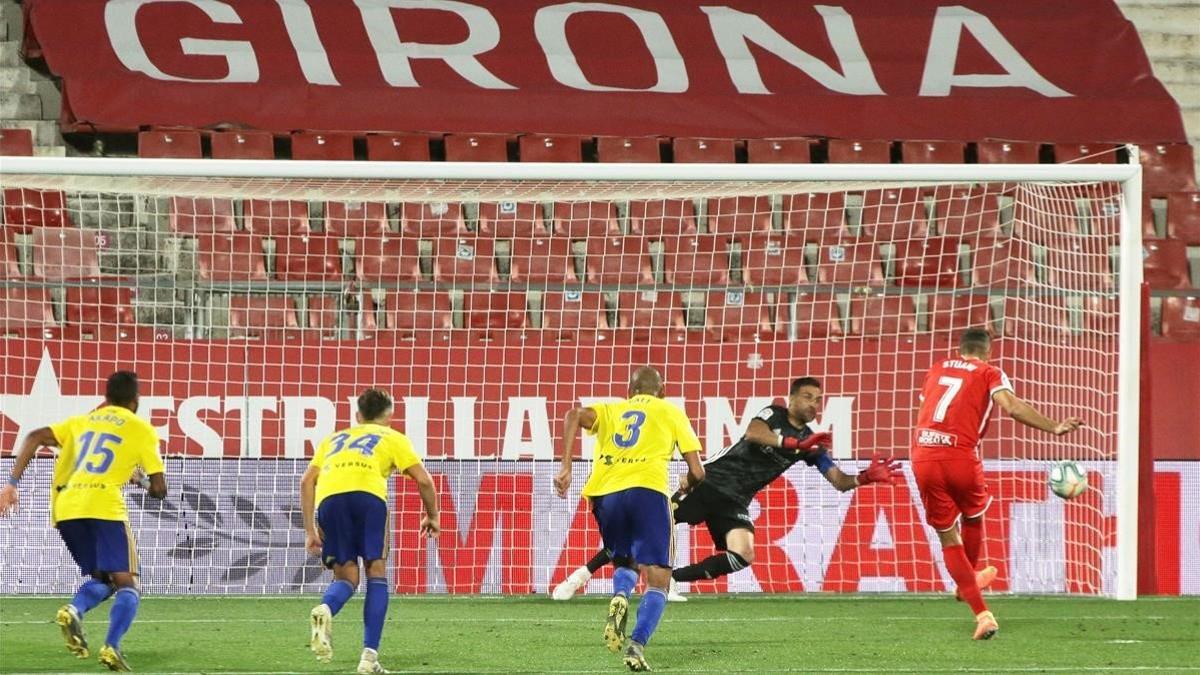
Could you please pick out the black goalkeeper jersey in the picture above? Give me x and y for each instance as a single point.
(742, 469)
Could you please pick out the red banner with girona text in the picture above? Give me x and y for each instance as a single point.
(863, 69)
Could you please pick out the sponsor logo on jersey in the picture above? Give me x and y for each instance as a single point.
(935, 438)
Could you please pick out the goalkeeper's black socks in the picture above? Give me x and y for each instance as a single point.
(711, 567)
(599, 560)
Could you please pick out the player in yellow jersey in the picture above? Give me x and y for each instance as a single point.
(628, 490)
(98, 454)
(343, 496)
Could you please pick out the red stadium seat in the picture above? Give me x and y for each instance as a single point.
(540, 260)
(628, 149)
(780, 150)
(271, 318)
(551, 149)
(651, 316)
(618, 260)
(729, 216)
(894, 215)
(706, 150)
(323, 145)
(432, 219)
(102, 305)
(1087, 269)
(969, 214)
(1183, 217)
(1167, 168)
(173, 144)
(62, 253)
(275, 218)
(812, 316)
(10, 267)
(16, 142)
(773, 260)
(859, 152)
(231, 257)
(1085, 153)
(419, 315)
(476, 148)
(1002, 264)
(25, 310)
(933, 152)
(191, 217)
(1007, 152)
(696, 260)
(1101, 315)
(388, 260)
(465, 260)
(397, 148)
(243, 145)
(925, 263)
(1037, 319)
(356, 220)
(735, 315)
(849, 265)
(819, 217)
(508, 220)
(883, 316)
(26, 209)
(489, 315)
(951, 314)
(661, 218)
(1180, 318)
(581, 220)
(577, 316)
(1165, 263)
(308, 257)
(321, 316)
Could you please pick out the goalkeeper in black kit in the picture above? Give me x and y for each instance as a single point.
(777, 438)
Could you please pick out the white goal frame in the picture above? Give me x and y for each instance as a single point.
(1129, 176)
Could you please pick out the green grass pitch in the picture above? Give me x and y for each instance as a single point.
(809, 634)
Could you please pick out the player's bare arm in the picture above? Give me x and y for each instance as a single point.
(308, 499)
(38, 438)
(575, 419)
(695, 474)
(430, 525)
(1029, 416)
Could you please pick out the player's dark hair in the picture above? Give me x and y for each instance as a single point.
(803, 382)
(974, 341)
(121, 388)
(373, 402)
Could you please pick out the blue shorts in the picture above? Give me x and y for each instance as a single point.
(353, 525)
(635, 523)
(99, 546)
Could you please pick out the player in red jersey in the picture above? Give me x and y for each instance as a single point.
(956, 402)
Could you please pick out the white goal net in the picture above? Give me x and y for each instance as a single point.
(256, 299)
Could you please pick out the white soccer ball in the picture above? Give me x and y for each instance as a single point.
(1068, 479)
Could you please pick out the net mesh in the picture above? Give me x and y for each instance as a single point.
(255, 310)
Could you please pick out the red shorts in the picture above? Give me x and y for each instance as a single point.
(951, 488)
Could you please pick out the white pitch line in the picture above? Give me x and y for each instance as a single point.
(735, 620)
(774, 669)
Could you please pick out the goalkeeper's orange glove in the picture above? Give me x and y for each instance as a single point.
(817, 439)
(881, 470)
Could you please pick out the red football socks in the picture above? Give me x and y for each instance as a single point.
(963, 574)
(972, 537)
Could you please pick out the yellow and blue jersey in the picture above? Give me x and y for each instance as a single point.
(635, 441)
(360, 459)
(98, 453)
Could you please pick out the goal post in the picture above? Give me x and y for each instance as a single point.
(257, 297)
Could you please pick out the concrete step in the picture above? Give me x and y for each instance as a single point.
(45, 132)
(50, 151)
(1191, 121)
(1171, 45)
(15, 79)
(1164, 17)
(13, 106)
(10, 53)
(1188, 95)
(1186, 70)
